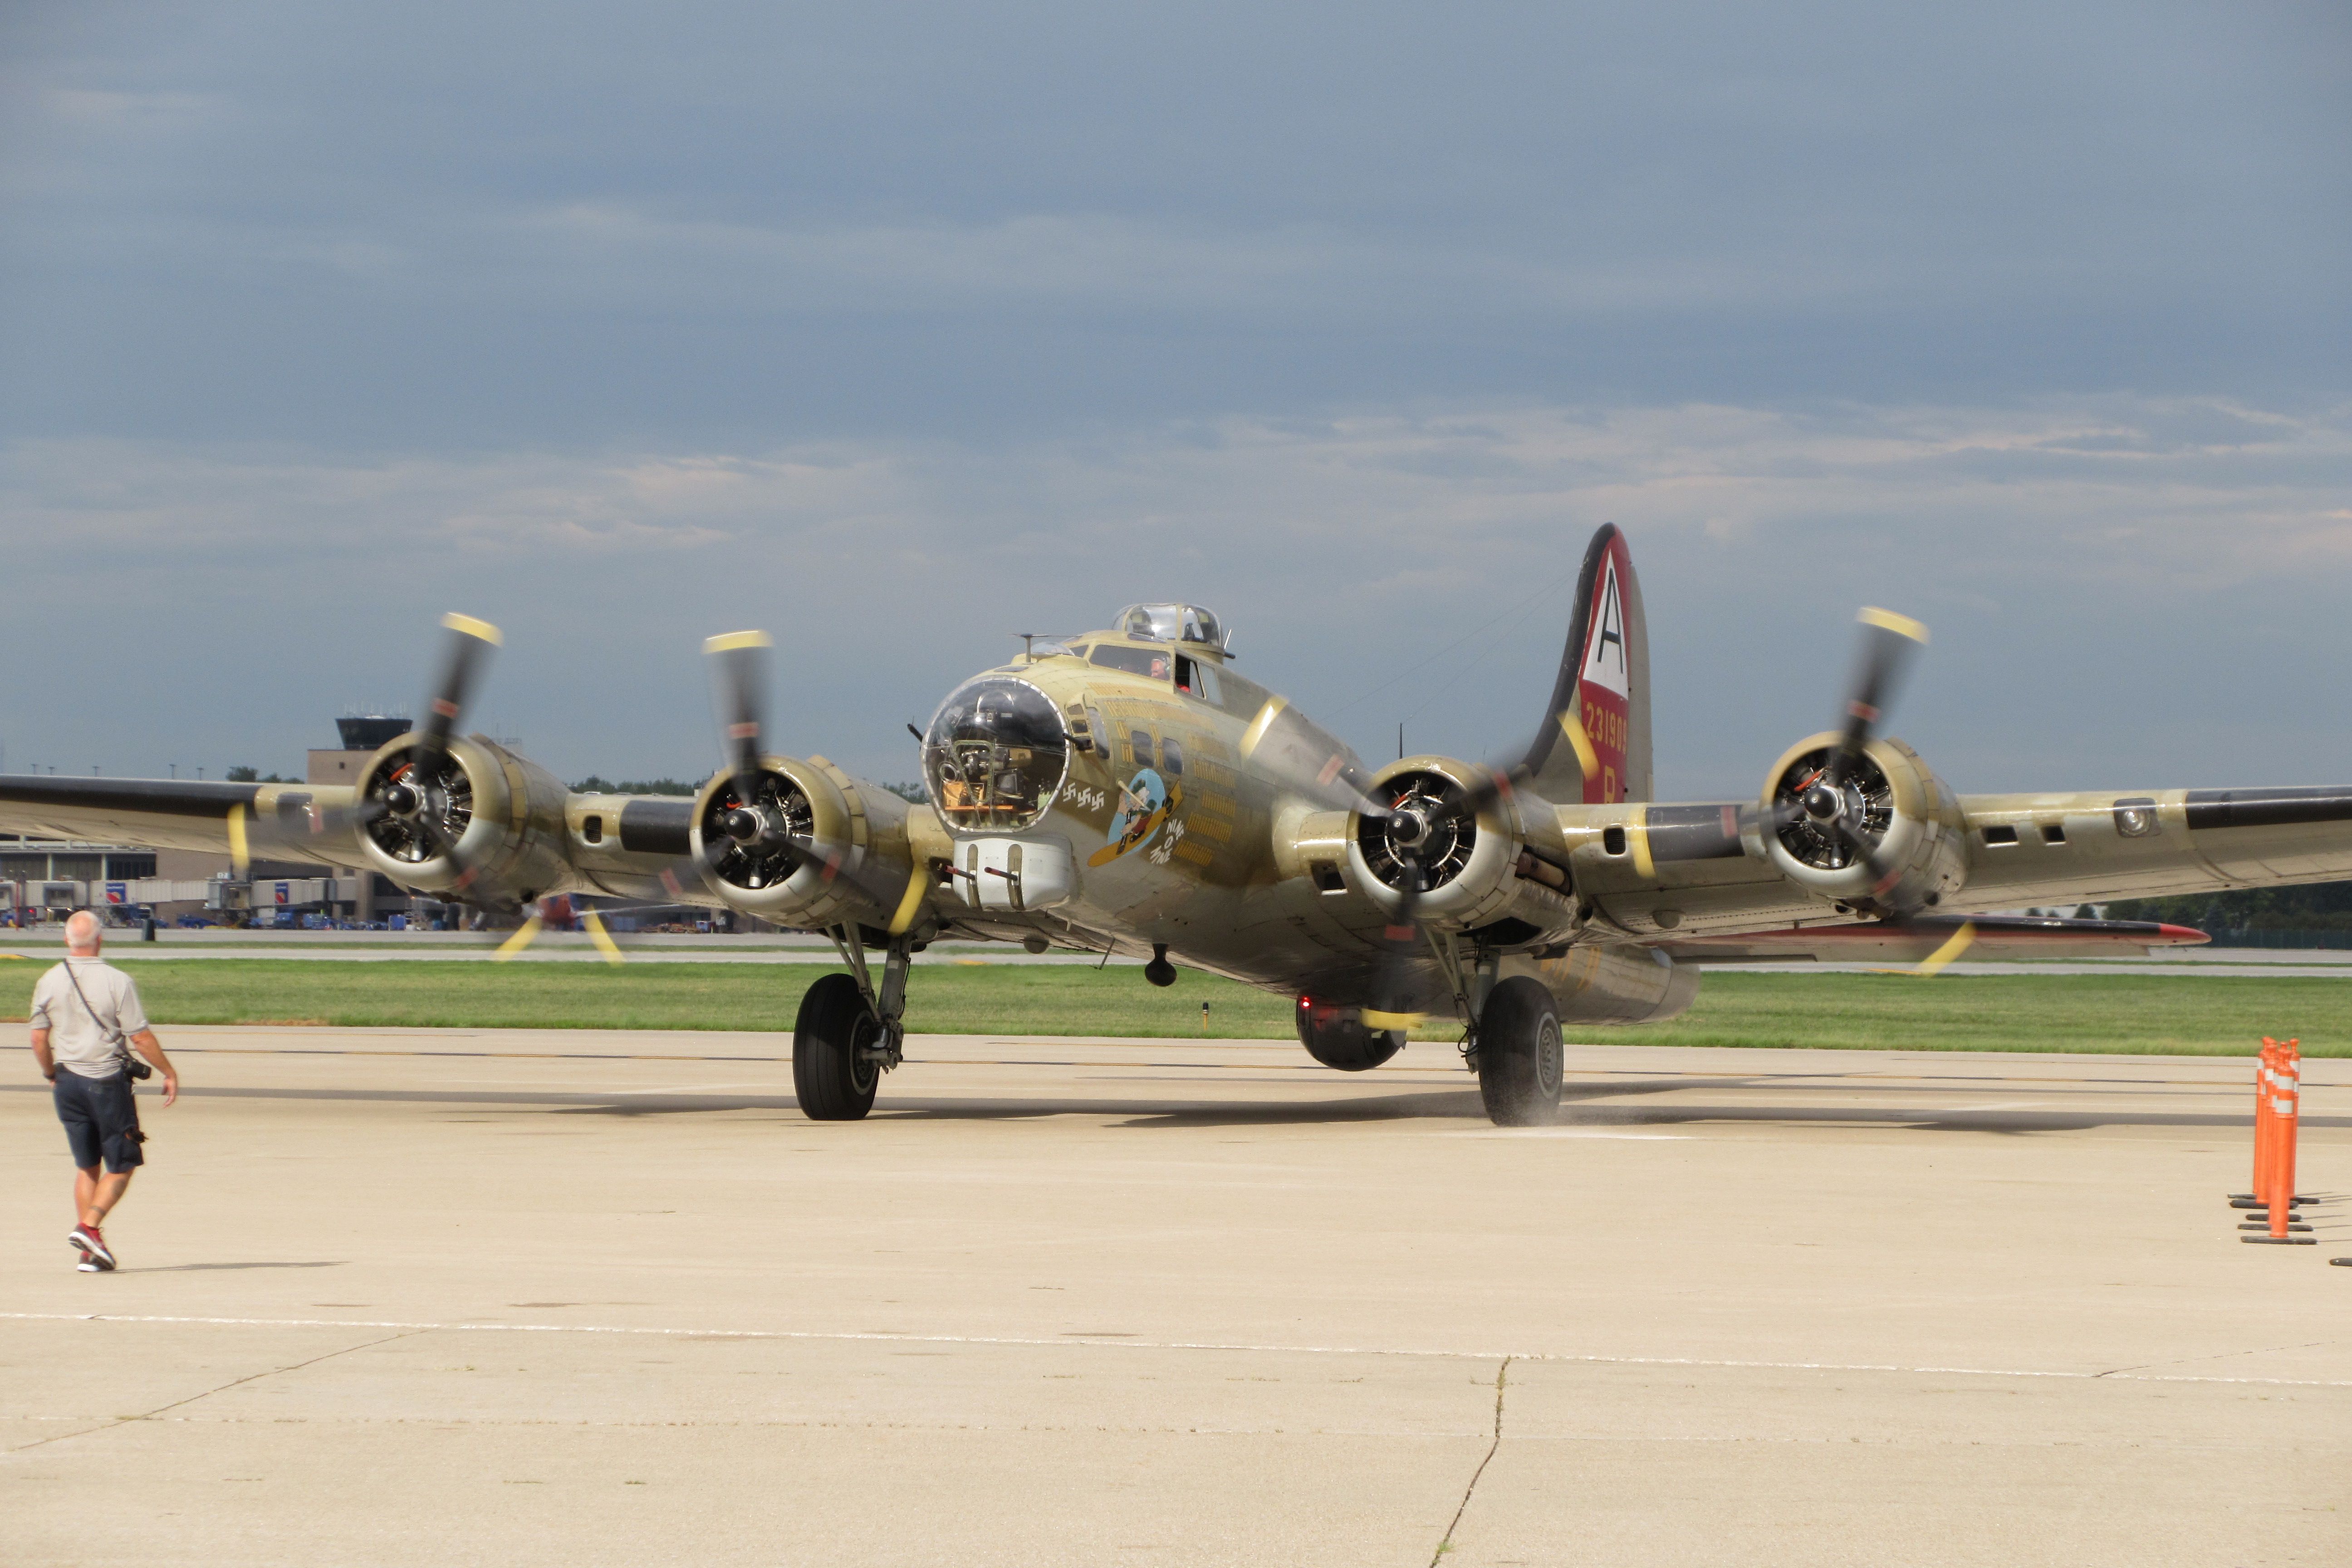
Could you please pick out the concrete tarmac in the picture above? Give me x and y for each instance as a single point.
(400, 1296)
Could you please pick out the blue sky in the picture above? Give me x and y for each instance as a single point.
(901, 330)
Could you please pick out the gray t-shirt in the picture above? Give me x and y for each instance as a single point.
(81, 1043)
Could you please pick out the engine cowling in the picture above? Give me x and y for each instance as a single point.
(851, 861)
(1472, 865)
(1890, 799)
(504, 814)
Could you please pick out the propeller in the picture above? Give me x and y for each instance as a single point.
(427, 787)
(760, 822)
(559, 907)
(1282, 744)
(420, 793)
(1421, 826)
(1832, 801)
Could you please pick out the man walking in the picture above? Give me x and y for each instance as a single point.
(86, 1019)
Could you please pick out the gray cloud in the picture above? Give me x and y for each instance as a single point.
(1343, 548)
(902, 331)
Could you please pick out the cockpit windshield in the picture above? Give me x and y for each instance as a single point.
(1172, 623)
(995, 754)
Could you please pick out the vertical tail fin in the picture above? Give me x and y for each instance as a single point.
(1602, 697)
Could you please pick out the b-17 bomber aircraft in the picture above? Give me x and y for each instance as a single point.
(1129, 790)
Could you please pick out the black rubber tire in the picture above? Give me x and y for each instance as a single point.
(1520, 1060)
(833, 1081)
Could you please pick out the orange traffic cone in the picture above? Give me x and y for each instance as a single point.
(2282, 1095)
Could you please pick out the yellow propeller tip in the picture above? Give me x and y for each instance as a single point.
(471, 628)
(1377, 1020)
(1259, 725)
(733, 640)
(1887, 620)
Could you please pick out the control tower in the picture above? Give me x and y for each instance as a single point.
(361, 734)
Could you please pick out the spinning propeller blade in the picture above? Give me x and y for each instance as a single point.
(739, 665)
(1889, 644)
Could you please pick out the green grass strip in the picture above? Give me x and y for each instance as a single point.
(2220, 1015)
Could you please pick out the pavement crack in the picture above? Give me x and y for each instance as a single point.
(208, 1393)
(1502, 1378)
(2217, 1355)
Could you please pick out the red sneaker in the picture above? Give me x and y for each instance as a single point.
(92, 1244)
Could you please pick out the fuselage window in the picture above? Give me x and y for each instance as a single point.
(995, 754)
(1171, 757)
(1194, 679)
(1150, 662)
(1138, 748)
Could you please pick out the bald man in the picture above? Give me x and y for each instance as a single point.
(86, 1019)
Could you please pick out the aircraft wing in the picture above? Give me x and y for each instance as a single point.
(2060, 849)
(1907, 942)
(1665, 873)
(183, 813)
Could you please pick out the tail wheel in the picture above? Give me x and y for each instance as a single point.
(832, 1075)
(1520, 1059)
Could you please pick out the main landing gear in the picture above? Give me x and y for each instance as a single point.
(849, 1033)
(1518, 1054)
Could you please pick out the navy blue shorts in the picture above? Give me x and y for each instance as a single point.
(101, 1118)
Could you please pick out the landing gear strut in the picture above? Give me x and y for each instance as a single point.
(850, 1033)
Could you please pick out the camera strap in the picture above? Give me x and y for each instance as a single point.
(112, 1031)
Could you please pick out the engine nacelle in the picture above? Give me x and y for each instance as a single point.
(1336, 1038)
(503, 813)
(1592, 984)
(1891, 800)
(1473, 866)
(856, 862)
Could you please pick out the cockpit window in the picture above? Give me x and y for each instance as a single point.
(1172, 623)
(1146, 661)
(995, 754)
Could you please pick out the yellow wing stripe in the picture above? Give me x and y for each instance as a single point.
(910, 903)
(239, 852)
(1571, 725)
(1637, 835)
(738, 639)
(1260, 725)
(474, 628)
(1901, 625)
(1935, 962)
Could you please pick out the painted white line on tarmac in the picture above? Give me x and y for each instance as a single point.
(1076, 1337)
